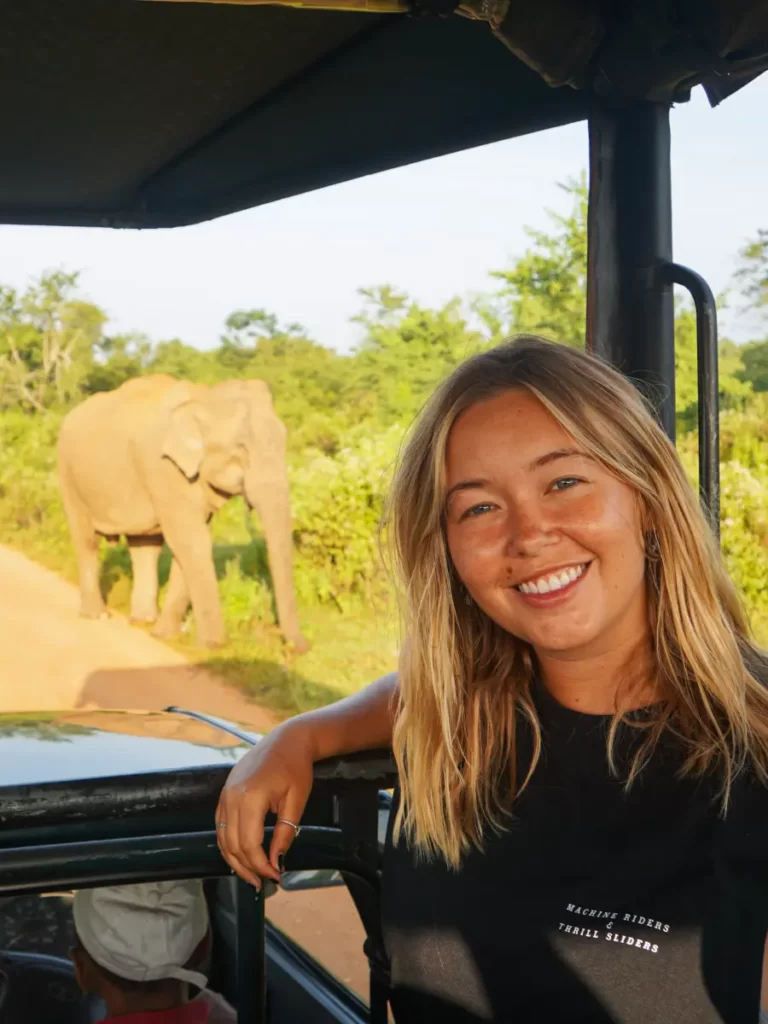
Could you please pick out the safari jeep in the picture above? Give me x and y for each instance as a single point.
(134, 114)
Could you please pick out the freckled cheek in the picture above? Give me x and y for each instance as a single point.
(476, 558)
(607, 521)
(614, 539)
(588, 513)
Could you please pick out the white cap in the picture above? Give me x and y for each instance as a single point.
(145, 932)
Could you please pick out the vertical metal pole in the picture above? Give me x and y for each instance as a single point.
(251, 956)
(630, 305)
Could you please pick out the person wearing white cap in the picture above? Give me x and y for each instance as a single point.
(137, 946)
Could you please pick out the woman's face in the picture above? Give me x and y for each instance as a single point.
(547, 542)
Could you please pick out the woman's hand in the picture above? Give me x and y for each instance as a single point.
(276, 776)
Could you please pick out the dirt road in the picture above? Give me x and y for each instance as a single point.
(51, 659)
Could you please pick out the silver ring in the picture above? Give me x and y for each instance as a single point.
(296, 828)
(221, 824)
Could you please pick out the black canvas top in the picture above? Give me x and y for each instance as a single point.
(148, 114)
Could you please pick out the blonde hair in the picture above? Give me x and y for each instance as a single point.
(464, 681)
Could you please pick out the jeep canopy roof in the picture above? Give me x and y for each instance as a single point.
(140, 113)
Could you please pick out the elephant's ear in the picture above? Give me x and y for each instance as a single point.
(183, 442)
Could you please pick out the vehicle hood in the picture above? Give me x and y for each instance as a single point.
(75, 745)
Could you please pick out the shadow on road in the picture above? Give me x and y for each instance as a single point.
(257, 692)
(194, 687)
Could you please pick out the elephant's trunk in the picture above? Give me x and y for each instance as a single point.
(274, 507)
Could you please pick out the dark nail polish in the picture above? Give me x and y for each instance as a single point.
(281, 862)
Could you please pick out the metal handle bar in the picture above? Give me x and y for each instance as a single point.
(708, 386)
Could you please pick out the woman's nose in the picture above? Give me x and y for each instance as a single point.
(528, 531)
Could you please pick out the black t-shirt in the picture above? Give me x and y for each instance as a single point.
(595, 904)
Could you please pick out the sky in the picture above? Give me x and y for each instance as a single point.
(433, 229)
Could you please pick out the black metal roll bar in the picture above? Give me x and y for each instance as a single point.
(126, 860)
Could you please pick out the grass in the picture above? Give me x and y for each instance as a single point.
(347, 652)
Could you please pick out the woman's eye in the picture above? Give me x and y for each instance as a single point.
(476, 510)
(565, 483)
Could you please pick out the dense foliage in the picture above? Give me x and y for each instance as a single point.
(346, 416)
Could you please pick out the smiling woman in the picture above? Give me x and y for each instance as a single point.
(580, 719)
(531, 459)
(549, 542)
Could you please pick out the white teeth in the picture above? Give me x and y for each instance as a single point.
(556, 581)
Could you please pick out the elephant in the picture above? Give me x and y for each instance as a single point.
(153, 460)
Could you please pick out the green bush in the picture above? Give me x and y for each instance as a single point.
(744, 435)
(743, 513)
(246, 600)
(744, 533)
(337, 504)
(31, 513)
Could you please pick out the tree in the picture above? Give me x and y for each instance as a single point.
(246, 329)
(185, 362)
(406, 350)
(47, 342)
(752, 275)
(734, 390)
(754, 357)
(545, 291)
(117, 358)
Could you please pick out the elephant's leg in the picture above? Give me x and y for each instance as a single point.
(145, 553)
(86, 542)
(190, 541)
(175, 605)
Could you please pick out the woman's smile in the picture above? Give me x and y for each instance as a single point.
(553, 587)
